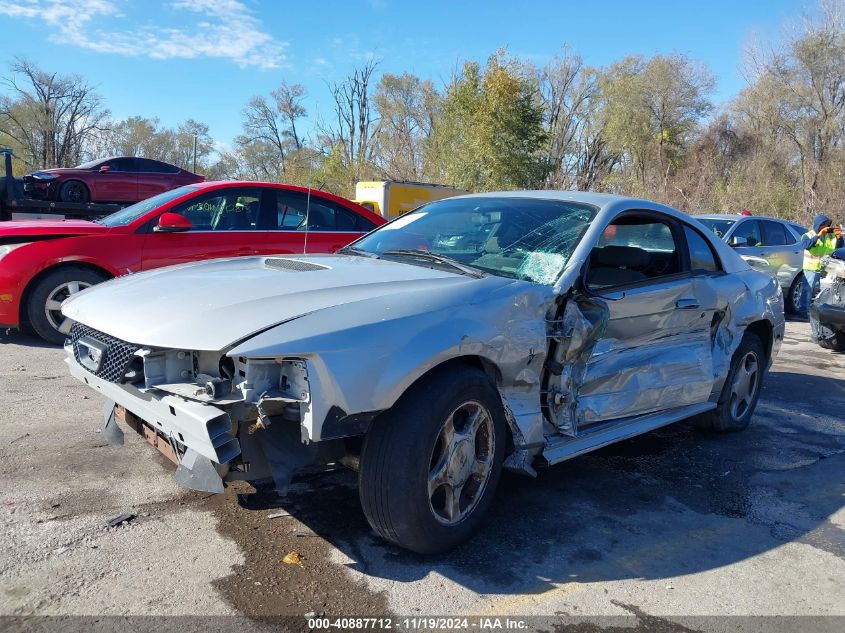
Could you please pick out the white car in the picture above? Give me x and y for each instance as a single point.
(770, 245)
(511, 330)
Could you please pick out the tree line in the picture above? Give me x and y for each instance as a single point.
(642, 126)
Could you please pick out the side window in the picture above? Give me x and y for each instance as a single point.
(775, 234)
(799, 230)
(154, 167)
(701, 257)
(122, 164)
(227, 210)
(323, 215)
(750, 230)
(633, 249)
(290, 211)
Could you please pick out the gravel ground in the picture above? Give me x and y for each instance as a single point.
(661, 529)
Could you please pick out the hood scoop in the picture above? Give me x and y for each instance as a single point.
(292, 265)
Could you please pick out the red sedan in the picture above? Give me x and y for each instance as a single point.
(116, 179)
(43, 262)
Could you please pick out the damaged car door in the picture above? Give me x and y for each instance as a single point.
(652, 314)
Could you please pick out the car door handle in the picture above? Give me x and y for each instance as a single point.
(687, 304)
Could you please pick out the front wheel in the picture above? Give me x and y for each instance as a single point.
(836, 343)
(742, 388)
(793, 295)
(431, 464)
(74, 191)
(45, 301)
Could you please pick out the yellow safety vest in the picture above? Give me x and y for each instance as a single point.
(824, 246)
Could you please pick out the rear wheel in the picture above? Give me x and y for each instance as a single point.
(74, 191)
(430, 465)
(45, 300)
(742, 388)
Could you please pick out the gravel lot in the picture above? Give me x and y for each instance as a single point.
(661, 528)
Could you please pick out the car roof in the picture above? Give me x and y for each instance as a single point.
(737, 216)
(584, 197)
(223, 184)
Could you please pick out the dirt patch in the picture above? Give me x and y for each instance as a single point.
(321, 511)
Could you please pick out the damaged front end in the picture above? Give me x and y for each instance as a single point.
(827, 312)
(218, 418)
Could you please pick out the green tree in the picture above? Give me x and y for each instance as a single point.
(491, 132)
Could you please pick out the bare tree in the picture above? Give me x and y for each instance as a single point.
(273, 122)
(289, 104)
(407, 107)
(355, 120)
(50, 116)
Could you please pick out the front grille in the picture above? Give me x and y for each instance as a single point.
(116, 358)
(294, 265)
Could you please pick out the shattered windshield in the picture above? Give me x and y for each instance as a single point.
(520, 238)
(719, 227)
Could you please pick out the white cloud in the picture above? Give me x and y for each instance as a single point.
(224, 29)
(348, 46)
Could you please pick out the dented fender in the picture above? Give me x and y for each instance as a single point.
(357, 365)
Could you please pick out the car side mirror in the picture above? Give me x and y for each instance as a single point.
(173, 223)
(104, 168)
(737, 241)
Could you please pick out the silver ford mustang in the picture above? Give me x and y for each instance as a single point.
(504, 330)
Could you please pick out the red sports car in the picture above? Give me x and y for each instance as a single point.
(43, 262)
(116, 179)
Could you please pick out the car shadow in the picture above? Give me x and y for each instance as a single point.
(22, 337)
(675, 501)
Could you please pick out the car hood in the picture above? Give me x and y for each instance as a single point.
(41, 228)
(57, 171)
(212, 305)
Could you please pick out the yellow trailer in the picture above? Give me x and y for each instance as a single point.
(392, 198)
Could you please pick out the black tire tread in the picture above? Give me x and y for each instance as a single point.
(388, 446)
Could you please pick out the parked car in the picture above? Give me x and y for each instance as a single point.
(115, 179)
(769, 244)
(43, 262)
(479, 332)
(827, 312)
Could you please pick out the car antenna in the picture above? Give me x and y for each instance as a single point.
(307, 211)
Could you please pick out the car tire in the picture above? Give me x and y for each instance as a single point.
(48, 293)
(792, 300)
(741, 390)
(409, 446)
(836, 344)
(74, 191)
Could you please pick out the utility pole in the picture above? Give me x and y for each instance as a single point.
(195, 153)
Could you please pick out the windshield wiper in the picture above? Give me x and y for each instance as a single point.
(470, 271)
(351, 250)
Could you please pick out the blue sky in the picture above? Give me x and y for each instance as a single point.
(204, 59)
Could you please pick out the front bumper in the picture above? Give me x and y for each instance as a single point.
(830, 315)
(39, 189)
(205, 429)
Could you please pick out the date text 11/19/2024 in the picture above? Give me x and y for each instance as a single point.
(418, 623)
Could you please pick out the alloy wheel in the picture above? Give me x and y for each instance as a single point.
(53, 305)
(797, 290)
(461, 463)
(746, 382)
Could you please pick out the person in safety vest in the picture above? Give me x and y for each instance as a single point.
(821, 241)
